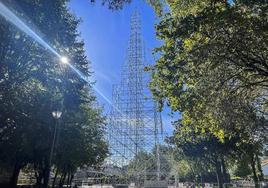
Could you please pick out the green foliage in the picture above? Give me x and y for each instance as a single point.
(203, 62)
(243, 169)
(213, 69)
(145, 164)
(33, 84)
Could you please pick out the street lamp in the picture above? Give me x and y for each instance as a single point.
(56, 115)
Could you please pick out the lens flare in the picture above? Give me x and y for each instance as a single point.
(13, 19)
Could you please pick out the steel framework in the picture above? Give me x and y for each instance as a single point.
(135, 125)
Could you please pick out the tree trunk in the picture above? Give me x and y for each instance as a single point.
(46, 175)
(61, 177)
(68, 179)
(219, 174)
(202, 181)
(255, 177)
(15, 175)
(71, 180)
(260, 173)
(37, 175)
(226, 177)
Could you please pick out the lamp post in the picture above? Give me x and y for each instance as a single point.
(56, 115)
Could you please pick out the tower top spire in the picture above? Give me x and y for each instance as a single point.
(135, 52)
(135, 22)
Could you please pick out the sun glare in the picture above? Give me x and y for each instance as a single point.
(64, 60)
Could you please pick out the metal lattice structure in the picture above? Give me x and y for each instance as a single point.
(135, 125)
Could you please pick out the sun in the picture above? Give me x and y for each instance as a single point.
(64, 60)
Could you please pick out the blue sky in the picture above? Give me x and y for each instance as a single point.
(106, 35)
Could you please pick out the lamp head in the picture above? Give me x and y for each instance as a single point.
(56, 114)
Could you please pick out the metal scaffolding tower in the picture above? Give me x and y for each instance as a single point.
(135, 125)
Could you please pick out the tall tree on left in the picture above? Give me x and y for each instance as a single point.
(33, 84)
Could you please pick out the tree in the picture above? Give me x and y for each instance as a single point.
(212, 68)
(33, 84)
(88, 147)
(145, 165)
(205, 153)
(190, 70)
(243, 169)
